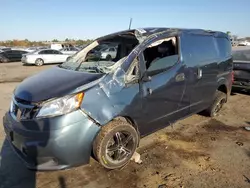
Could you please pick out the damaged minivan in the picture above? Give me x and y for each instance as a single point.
(100, 108)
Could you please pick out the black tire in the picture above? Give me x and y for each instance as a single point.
(68, 58)
(108, 58)
(39, 62)
(115, 144)
(4, 60)
(219, 100)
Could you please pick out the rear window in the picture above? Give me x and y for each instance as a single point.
(224, 47)
(198, 48)
(241, 55)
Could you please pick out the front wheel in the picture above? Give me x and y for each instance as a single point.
(115, 144)
(108, 58)
(39, 62)
(219, 101)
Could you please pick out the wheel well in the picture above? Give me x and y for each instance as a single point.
(126, 119)
(130, 121)
(222, 88)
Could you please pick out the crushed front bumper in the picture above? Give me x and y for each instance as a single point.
(53, 143)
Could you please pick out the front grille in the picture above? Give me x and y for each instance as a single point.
(23, 110)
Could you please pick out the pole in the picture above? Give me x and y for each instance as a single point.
(130, 22)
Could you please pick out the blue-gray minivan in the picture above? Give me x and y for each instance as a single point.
(100, 108)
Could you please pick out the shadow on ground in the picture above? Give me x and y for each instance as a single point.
(236, 91)
(13, 173)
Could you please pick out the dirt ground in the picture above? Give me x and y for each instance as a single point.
(195, 152)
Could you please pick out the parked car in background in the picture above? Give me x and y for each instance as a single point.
(33, 49)
(244, 43)
(11, 55)
(81, 46)
(59, 46)
(69, 50)
(241, 58)
(46, 56)
(62, 116)
(6, 49)
(95, 53)
(108, 53)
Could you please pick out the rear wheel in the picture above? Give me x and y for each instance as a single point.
(39, 62)
(219, 101)
(68, 58)
(108, 58)
(115, 144)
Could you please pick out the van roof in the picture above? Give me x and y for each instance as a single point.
(154, 30)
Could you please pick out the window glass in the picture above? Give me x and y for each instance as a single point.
(224, 47)
(198, 49)
(46, 52)
(22, 52)
(161, 55)
(163, 63)
(133, 71)
(56, 52)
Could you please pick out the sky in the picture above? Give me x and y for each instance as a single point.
(88, 19)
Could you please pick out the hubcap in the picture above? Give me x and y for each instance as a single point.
(120, 147)
(39, 62)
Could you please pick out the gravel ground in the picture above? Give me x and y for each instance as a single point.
(195, 152)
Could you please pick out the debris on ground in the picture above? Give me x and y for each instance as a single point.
(247, 128)
(239, 143)
(213, 138)
(162, 186)
(137, 158)
(246, 179)
(167, 176)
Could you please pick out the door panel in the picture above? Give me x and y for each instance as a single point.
(48, 58)
(60, 58)
(10, 56)
(201, 59)
(164, 98)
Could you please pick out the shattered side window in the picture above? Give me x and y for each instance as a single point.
(133, 71)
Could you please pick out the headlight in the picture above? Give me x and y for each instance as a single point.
(61, 106)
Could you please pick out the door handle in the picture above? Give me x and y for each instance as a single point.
(149, 91)
(180, 77)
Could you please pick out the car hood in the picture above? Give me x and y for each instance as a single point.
(51, 83)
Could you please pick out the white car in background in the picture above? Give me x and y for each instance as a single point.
(244, 43)
(33, 49)
(108, 53)
(69, 50)
(46, 56)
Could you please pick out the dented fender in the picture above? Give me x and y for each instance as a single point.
(111, 98)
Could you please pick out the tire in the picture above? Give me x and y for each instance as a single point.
(39, 62)
(219, 101)
(68, 58)
(4, 60)
(115, 144)
(108, 58)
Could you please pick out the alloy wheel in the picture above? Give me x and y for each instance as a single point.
(120, 147)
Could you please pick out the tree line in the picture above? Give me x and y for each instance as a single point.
(27, 43)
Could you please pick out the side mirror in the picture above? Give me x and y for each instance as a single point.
(146, 78)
